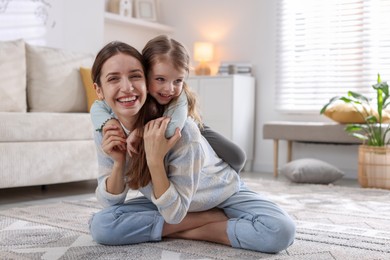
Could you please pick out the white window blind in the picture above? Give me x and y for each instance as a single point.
(25, 19)
(326, 48)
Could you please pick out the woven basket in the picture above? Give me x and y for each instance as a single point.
(374, 167)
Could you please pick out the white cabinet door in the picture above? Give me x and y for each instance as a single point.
(227, 106)
(216, 104)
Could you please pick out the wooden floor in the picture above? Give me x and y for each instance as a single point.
(25, 196)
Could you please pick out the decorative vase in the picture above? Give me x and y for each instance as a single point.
(121, 7)
(374, 166)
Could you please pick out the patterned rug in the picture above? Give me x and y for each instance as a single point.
(333, 222)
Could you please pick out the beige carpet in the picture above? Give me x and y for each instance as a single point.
(332, 223)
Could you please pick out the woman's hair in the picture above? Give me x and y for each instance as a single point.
(109, 50)
(160, 48)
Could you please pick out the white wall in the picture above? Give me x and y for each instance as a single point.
(241, 31)
(246, 31)
(76, 25)
(81, 26)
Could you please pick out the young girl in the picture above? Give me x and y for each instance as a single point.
(172, 93)
(189, 192)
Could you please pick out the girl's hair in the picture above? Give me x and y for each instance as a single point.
(160, 48)
(163, 48)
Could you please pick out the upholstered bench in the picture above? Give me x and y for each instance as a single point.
(311, 132)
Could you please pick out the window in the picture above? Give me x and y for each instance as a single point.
(25, 19)
(326, 48)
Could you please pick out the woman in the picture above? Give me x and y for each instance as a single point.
(189, 192)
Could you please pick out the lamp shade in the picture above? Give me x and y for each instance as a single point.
(203, 51)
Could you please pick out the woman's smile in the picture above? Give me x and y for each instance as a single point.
(127, 101)
(123, 86)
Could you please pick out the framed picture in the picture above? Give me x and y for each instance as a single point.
(146, 10)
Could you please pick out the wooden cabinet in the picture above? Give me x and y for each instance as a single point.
(227, 105)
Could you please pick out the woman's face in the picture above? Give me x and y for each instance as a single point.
(165, 82)
(123, 86)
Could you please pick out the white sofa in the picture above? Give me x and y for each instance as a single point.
(46, 134)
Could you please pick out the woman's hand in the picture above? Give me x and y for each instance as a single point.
(156, 145)
(112, 141)
(114, 122)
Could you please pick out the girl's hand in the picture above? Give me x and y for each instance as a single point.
(156, 145)
(112, 141)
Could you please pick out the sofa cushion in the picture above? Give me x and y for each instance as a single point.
(88, 86)
(347, 113)
(53, 80)
(34, 127)
(13, 76)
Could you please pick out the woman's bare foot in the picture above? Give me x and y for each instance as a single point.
(194, 220)
(212, 232)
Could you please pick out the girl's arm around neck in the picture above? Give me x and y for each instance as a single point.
(100, 114)
(177, 110)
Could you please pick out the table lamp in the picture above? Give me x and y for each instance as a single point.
(203, 53)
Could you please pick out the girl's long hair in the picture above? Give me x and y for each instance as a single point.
(160, 48)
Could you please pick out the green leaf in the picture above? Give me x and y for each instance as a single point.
(360, 136)
(371, 119)
(381, 85)
(353, 128)
(358, 96)
(385, 88)
(331, 101)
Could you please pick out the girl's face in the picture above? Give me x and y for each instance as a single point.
(165, 82)
(123, 87)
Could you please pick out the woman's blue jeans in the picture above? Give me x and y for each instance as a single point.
(255, 223)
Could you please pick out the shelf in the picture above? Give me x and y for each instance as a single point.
(117, 19)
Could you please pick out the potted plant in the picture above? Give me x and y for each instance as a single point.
(374, 153)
